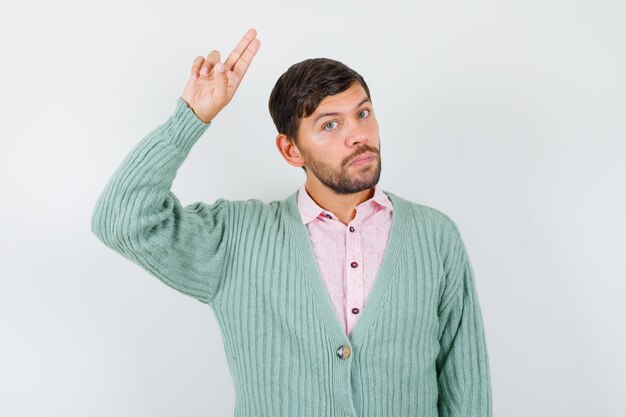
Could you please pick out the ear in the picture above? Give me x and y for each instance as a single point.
(289, 150)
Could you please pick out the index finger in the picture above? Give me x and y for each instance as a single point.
(241, 47)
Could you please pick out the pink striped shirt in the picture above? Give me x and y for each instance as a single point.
(348, 256)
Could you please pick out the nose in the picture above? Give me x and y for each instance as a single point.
(356, 134)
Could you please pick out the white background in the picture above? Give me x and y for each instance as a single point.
(509, 116)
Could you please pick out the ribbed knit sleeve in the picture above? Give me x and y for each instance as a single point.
(463, 375)
(139, 216)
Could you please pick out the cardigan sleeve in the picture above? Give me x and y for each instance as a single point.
(463, 375)
(138, 216)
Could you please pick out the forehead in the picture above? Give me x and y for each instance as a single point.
(349, 98)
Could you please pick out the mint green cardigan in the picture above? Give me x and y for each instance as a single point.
(417, 350)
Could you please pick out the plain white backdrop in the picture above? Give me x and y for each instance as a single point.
(509, 116)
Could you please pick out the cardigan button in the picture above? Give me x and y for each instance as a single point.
(351, 229)
(343, 352)
(355, 310)
(354, 264)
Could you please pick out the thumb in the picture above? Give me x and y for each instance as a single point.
(222, 84)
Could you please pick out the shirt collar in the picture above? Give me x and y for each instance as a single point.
(310, 210)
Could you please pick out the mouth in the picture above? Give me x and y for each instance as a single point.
(363, 159)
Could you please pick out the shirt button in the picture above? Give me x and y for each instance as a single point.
(351, 229)
(343, 352)
(355, 310)
(354, 264)
(328, 216)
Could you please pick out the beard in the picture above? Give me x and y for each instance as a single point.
(341, 180)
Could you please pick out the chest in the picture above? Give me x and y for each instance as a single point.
(278, 284)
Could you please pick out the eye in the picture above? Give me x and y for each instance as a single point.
(328, 124)
(366, 111)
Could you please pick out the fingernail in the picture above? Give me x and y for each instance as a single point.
(220, 67)
(204, 70)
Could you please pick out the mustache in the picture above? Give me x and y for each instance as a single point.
(363, 149)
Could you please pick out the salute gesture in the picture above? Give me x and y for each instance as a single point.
(212, 83)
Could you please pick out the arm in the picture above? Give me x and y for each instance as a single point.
(462, 364)
(137, 214)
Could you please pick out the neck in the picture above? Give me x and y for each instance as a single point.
(343, 205)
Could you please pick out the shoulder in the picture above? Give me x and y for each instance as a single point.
(252, 209)
(425, 215)
(426, 222)
(432, 224)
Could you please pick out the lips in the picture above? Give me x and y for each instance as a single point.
(363, 159)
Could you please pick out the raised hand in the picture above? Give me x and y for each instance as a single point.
(212, 83)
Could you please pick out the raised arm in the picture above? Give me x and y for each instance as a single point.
(139, 216)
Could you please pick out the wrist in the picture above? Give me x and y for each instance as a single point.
(203, 119)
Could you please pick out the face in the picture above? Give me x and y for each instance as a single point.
(340, 144)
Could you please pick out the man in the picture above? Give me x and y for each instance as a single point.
(342, 299)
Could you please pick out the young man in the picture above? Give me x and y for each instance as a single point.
(341, 300)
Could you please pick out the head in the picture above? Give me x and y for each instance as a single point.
(323, 112)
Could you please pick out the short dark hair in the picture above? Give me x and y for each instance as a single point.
(299, 91)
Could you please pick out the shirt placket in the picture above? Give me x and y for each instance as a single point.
(354, 275)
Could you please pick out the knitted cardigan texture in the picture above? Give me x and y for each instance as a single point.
(419, 346)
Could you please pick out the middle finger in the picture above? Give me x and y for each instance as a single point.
(240, 49)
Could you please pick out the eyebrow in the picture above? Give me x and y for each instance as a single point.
(319, 116)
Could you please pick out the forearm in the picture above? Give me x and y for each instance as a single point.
(130, 202)
(464, 376)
